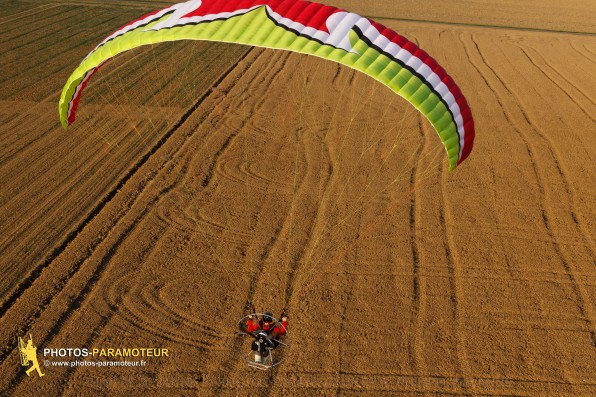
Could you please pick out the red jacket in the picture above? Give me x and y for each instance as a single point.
(269, 328)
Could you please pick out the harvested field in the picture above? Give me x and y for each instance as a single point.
(199, 175)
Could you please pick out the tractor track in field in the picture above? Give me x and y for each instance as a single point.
(419, 289)
(27, 13)
(476, 25)
(550, 78)
(456, 280)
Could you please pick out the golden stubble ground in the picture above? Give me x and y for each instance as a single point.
(199, 175)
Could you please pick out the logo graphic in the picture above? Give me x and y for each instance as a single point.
(28, 354)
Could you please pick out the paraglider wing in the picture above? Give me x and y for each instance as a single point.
(304, 27)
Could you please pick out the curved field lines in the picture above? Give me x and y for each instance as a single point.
(547, 181)
(200, 176)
